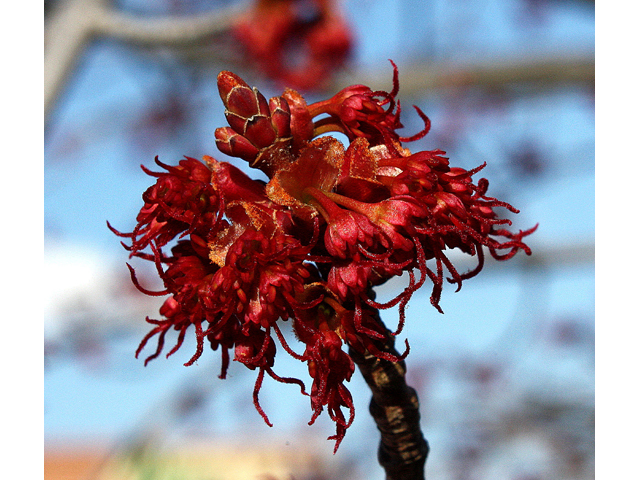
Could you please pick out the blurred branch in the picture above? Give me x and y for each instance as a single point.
(421, 77)
(164, 31)
(577, 254)
(74, 23)
(65, 36)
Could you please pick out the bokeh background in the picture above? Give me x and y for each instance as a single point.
(505, 377)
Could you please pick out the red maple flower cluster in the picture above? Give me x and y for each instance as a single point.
(309, 245)
(296, 42)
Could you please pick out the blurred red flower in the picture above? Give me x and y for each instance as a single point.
(298, 43)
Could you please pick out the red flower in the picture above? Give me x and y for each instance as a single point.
(415, 175)
(260, 279)
(310, 245)
(324, 329)
(358, 111)
(350, 279)
(347, 231)
(184, 280)
(256, 349)
(330, 367)
(182, 201)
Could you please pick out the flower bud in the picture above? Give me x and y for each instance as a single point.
(280, 116)
(233, 144)
(259, 131)
(239, 98)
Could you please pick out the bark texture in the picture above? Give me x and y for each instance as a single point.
(394, 406)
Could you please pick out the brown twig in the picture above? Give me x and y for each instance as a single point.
(394, 406)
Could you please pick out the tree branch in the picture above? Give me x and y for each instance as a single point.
(394, 406)
(425, 77)
(168, 31)
(76, 22)
(65, 35)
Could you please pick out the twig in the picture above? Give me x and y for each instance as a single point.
(172, 31)
(394, 406)
(76, 22)
(425, 77)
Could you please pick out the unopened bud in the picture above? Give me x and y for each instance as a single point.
(280, 116)
(233, 144)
